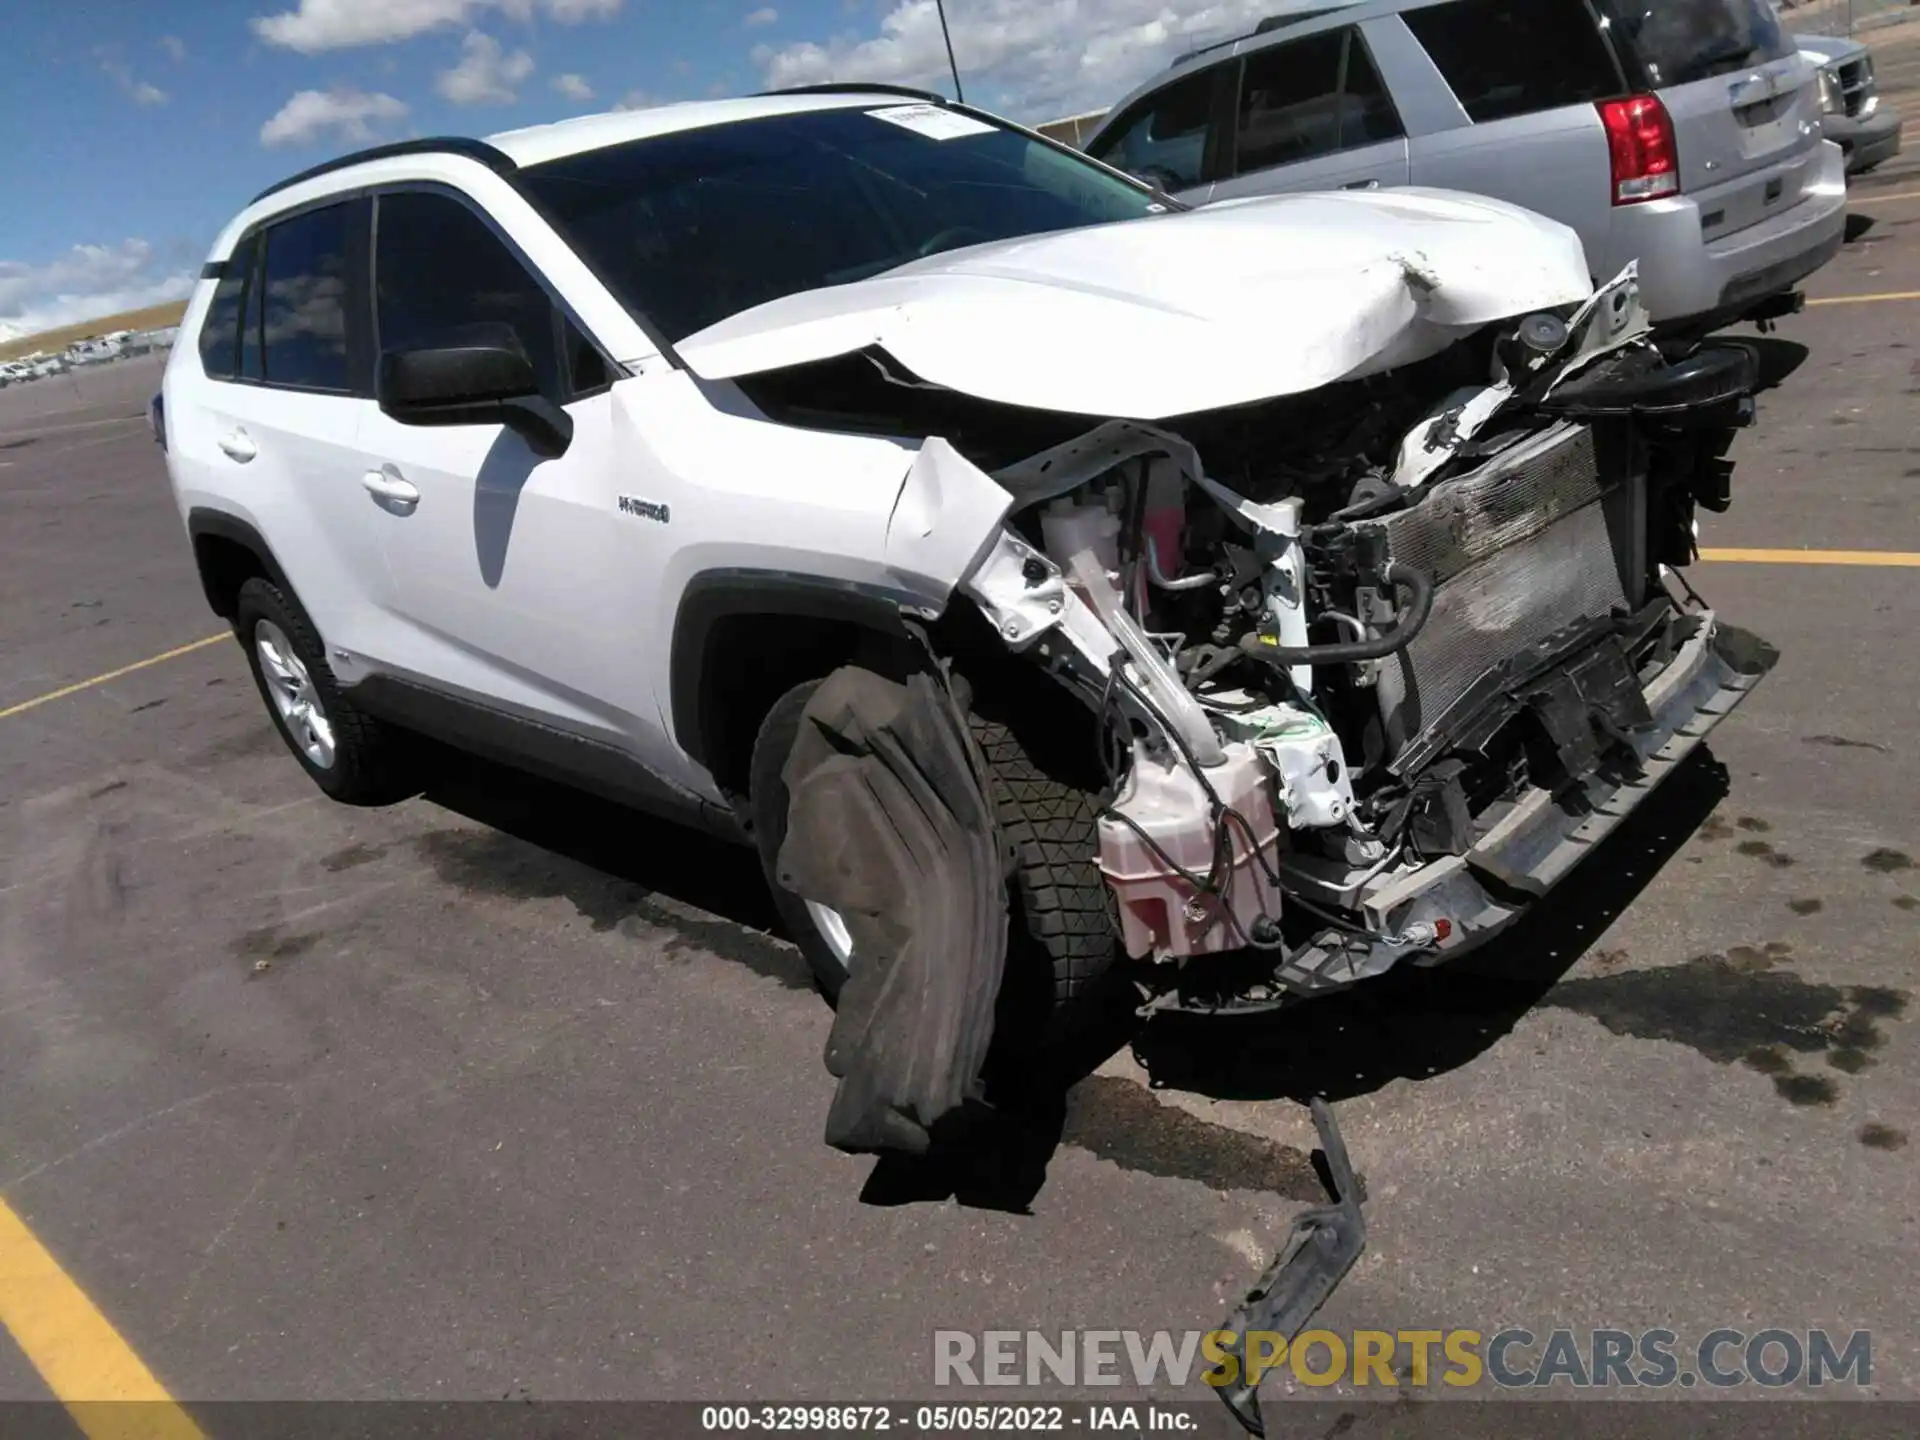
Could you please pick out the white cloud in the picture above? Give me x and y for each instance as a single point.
(138, 91)
(86, 282)
(1034, 59)
(316, 25)
(638, 100)
(765, 15)
(175, 47)
(486, 75)
(343, 114)
(574, 87)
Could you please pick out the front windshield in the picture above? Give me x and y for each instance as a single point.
(691, 227)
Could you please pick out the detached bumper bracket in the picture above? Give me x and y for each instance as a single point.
(1322, 1247)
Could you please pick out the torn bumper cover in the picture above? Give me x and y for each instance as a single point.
(1544, 835)
(890, 827)
(1320, 1249)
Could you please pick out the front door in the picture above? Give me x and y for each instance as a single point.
(506, 564)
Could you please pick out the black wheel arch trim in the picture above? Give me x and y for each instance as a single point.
(724, 594)
(219, 524)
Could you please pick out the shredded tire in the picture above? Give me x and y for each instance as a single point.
(1051, 828)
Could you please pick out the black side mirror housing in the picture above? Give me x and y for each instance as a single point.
(473, 384)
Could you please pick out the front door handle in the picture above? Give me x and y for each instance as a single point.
(1361, 185)
(387, 486)
(238, 445)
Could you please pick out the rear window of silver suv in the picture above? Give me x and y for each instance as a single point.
(1679, 41)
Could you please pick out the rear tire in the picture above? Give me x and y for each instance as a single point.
(352, 757)
(1063, 937)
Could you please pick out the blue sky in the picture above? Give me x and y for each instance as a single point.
(137, 127)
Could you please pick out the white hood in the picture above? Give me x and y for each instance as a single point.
(1181, 312)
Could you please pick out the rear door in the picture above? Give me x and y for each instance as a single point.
(272, 427)
(1745, 106)
(1312, 114)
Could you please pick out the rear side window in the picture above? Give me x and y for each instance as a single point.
(1514, 57)
(1683, 40)
(303, 300)
(1163, 139)
(1310, 97)
(443, 277)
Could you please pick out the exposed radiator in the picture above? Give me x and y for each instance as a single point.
(1520, 548)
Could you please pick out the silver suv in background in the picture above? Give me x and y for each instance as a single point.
(1865, 128)
(1685, 134)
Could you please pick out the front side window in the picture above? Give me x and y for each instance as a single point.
(1164, 139)
(1684, 40)
(1503, 58)
(303, 299)
(1315, 96)
(691, 227)
(443, 277)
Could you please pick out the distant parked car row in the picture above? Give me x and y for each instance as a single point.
(1693, 136)
(94, 350)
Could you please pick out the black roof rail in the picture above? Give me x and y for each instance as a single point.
(487, 155)
(1265, 27)
(851, 87)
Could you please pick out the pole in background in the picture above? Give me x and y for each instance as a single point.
(941, 6)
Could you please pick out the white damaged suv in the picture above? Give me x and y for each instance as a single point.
(1303, 569)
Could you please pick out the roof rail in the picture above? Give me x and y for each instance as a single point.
(1297, 16)
(850, 87)
(472, 149)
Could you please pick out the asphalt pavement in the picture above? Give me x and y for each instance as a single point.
(504, 1092)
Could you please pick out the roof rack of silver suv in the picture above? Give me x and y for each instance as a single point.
(1272, 22)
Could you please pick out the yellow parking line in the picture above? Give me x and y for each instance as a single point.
(1881, 199)
(1866, 299)
(76, 688)
(106, 1388)
(1816, 557)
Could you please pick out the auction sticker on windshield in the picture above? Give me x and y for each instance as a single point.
(933, 121)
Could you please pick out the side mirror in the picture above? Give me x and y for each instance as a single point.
(478, 384)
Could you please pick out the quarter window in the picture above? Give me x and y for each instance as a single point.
(220, 331)
(303, 300)
(1502, 58)
(443, 277)
(1164, 139)
(1310, 97)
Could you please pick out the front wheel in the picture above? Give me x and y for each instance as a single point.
(1062, 938)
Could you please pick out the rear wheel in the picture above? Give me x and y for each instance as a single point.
(1063, 938)
(350, 755)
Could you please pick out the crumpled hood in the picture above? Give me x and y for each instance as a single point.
(1182, 312)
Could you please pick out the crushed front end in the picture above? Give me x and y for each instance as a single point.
(1376, 666)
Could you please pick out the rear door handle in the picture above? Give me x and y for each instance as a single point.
(1361, 185)
(385, 485)
(238, 445)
